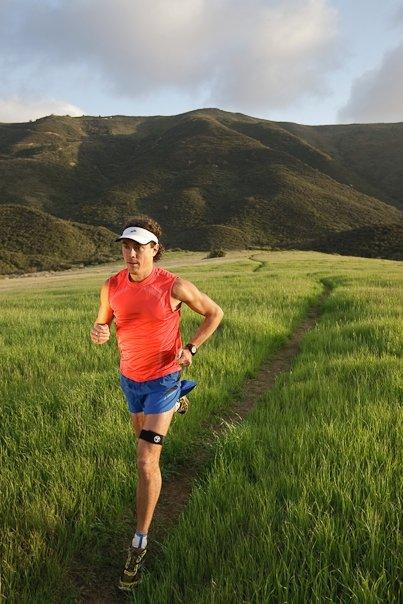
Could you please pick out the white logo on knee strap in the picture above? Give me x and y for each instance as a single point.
(157, 439)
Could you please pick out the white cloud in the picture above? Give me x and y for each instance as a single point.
(377, 95)
(253, 55)
(286, 53)
(15, 109)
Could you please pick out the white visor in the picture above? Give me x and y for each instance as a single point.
(138, 234)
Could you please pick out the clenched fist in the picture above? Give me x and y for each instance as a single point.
(184, 357)
(100, 333)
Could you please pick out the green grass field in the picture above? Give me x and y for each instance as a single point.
(299, 504)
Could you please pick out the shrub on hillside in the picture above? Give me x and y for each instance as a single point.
(216, 253)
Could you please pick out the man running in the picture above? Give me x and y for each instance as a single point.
(145, 302)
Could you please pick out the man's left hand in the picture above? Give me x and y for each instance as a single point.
(184, 357)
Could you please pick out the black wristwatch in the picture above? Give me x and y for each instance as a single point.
(192, 348)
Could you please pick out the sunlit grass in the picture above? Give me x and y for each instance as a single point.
(321, 436)
(302, 504)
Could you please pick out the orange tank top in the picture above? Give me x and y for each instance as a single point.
(147, 329)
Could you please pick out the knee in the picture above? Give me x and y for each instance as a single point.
(147, 466)
(137, 425)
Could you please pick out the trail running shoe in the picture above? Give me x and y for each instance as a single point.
(131, 574)
(183, 405)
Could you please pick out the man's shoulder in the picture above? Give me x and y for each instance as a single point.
(117, 277)
(163, 273)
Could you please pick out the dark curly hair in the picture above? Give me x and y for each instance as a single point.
(145, 222)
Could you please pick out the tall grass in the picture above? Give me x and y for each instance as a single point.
(302, 504)
(68, 454)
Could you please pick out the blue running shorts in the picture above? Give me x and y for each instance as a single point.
(155, 396)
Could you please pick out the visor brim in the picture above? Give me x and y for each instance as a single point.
(136, 240)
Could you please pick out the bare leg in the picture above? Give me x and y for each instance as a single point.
(149, 474)
(137, 422)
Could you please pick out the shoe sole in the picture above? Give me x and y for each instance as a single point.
(129, 586)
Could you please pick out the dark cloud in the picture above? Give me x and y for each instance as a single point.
(377, 96)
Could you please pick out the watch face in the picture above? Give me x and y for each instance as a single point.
(192, 348)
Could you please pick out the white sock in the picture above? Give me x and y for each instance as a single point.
(177, 405)
(140, 540)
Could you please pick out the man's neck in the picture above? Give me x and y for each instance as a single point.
(140, 276)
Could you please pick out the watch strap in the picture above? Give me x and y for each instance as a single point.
(192, 348)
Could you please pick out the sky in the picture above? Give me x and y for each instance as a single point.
(311, 62)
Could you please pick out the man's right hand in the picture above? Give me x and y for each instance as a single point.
(100, 333)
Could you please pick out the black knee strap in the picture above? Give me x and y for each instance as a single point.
(152, 437)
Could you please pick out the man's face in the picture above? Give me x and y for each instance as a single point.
(138, 257)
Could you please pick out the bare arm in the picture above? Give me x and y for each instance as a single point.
(187, 292)
(100, 332)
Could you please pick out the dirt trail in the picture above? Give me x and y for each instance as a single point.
(176, 491)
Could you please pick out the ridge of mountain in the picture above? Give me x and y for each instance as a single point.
(208, 175)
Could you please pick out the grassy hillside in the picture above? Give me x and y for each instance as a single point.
(73, 167)
(370, 152)
(378, 241)
(33, 240)
(207, 175)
